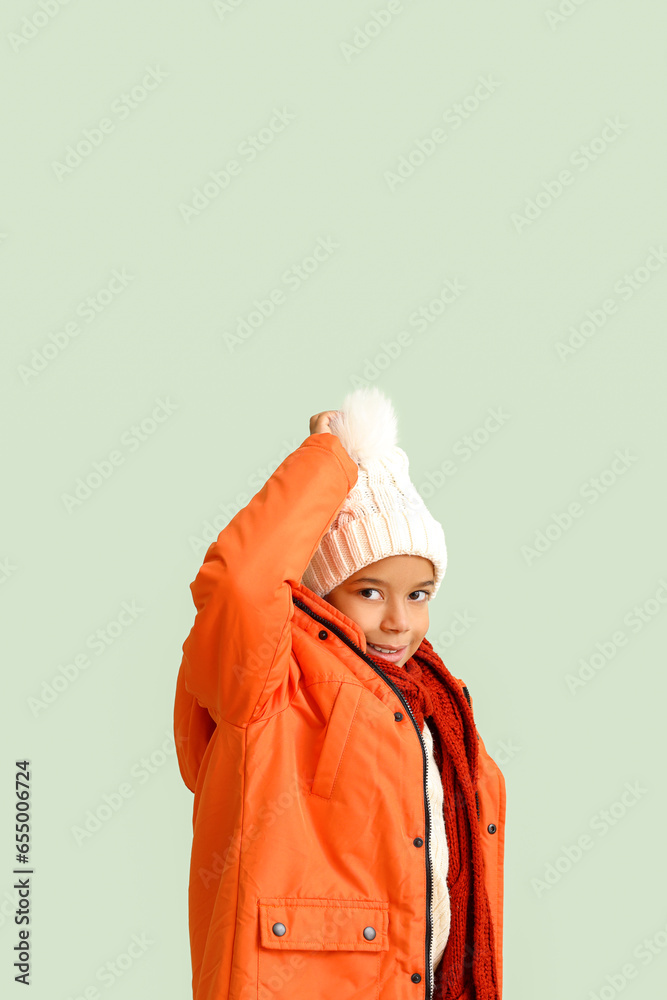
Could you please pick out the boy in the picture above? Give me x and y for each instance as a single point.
(343, 845)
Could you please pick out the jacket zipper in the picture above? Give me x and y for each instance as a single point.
(429, 873)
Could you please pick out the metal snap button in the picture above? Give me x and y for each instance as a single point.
(418, 842)
(369, 933)
(398, 716)
(415, 977)
(279, 929)
(492, 828)
(322, 634)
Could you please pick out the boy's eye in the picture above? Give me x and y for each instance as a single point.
(372, 590)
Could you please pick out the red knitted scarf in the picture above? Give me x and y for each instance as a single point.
(467, 970)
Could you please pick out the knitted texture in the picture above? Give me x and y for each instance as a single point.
(468, 966)
(383, 514)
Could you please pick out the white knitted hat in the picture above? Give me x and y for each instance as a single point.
(383, 514)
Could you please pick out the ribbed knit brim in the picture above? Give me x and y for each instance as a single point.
(364, 540)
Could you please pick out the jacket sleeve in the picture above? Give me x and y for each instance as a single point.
(239, 645)
(193, 728)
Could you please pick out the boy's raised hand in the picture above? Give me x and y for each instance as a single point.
(319, 422)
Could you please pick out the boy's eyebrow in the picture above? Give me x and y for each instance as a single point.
(372, 579)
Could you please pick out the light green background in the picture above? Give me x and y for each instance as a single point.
(237, 412)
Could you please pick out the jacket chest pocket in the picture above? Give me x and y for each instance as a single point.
(324, 948)
(335, 739)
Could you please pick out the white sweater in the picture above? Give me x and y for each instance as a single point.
(439, 854)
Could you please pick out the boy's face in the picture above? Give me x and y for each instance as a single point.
(388, 600)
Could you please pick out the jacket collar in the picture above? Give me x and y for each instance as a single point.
(326, 610)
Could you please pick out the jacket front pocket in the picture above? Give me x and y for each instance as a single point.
(335, 739)
(324, 948)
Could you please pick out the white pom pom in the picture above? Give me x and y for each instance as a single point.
(366, 424)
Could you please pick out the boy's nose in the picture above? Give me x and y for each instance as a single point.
(394, 618)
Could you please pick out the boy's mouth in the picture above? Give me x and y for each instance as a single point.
(386, 652)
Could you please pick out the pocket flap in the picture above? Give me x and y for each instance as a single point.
(324, 924)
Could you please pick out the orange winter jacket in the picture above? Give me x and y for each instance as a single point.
(308, 771)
